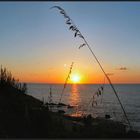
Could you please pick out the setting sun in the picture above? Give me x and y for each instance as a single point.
(75, 78)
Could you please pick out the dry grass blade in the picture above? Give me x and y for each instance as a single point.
(66, 82)
(57, 7)
(82, 45)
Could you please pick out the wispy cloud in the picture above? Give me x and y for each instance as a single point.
(110, 74)
(122, 68)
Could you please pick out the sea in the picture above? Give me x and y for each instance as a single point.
(85, 99)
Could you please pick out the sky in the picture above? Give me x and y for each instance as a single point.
(37, 46)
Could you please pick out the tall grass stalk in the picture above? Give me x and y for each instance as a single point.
(66, 82)
(77, 33)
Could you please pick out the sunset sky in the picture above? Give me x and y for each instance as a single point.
(37, 46)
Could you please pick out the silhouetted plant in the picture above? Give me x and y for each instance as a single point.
(24, 88)
(77, 32)
(8, 82)
(66, 82)
(71, 25)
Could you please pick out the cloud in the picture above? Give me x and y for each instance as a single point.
(110, 74)
(122, 68)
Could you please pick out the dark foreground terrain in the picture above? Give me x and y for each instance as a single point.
(22, 116)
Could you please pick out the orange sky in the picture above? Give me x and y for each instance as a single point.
(88, 76)
(37, 46)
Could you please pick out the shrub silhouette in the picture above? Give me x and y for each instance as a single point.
(8, 83)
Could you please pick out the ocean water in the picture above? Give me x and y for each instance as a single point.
(81, 96)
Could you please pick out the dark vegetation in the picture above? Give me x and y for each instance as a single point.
(22, 116)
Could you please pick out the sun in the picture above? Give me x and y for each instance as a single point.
(75, 78)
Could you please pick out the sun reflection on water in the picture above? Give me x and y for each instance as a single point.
(74, 96)
(74, 100)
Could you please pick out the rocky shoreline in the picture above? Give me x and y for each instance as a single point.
(23, 116)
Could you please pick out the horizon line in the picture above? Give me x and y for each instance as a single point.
(77, 83)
